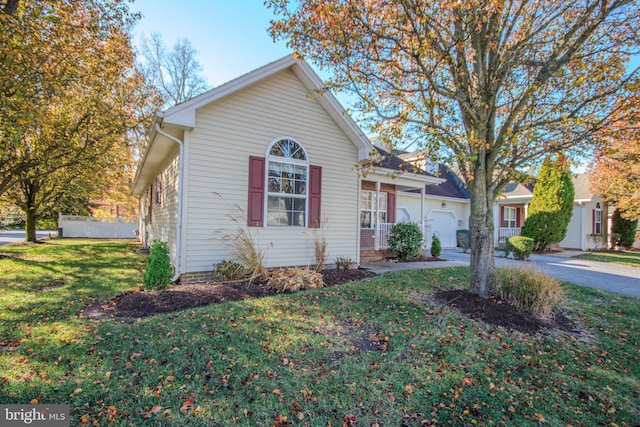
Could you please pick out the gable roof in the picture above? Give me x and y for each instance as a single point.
(388, 164)
(183, 116)
(452, 187)
(581, 185)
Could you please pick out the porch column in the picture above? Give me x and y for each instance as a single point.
(583, 234)
(424, 232)
(376, 226)
(496, 221)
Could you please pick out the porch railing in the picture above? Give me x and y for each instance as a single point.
(384, 231)
(505, 232)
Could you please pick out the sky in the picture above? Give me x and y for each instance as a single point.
(230, 35)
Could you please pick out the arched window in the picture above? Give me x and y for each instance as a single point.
(287, 184)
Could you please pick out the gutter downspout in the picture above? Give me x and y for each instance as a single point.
(176, 274)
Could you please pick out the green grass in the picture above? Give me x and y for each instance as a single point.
(297, 356)
(631, 258)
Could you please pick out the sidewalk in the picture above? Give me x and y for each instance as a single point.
(561, 265)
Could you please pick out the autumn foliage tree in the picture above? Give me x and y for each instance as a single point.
(493, 85)
(69, 97)
(615, 173)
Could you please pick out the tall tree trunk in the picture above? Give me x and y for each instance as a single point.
(483, 270)
(30, 225)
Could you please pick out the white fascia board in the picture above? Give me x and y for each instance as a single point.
(391, 176)
(434, 197)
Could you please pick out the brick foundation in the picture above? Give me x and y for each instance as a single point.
(371, 255)
(197, 277)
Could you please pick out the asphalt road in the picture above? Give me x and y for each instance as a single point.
(593, 274)
(8, 237)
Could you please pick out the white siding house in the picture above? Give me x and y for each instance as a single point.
(267, 151)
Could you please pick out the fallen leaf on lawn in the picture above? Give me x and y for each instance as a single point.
(281, 420)
(408, 388)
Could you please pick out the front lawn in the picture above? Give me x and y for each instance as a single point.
(375, 352)
(631, 258)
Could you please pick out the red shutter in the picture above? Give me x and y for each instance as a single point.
(501, 217)
(150, 201)
(518, 223)
(255, 208)
(593, 221)
(391, 208)
(315, 196)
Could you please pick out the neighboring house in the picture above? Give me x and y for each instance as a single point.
(269, 151)
(443, 211)
(588, 229)
(383, 201)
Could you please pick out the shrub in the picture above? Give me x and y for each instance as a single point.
(436, 246)
(344, 262)
(294, 279)
(229, 270)
(464, 239)
(521, 246)
(533, 292)
(245, 250)
(320, 247)
(551, 207)
(623, 231)
(158, 271)
(405, 241)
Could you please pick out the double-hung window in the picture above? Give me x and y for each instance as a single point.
(597, 219)
(510, 217)
(372, 205)
(287, 184)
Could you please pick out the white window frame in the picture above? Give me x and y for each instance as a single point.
(270, 158)
(374, 210)
(507, 220)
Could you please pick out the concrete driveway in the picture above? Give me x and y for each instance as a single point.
(599, 275)
(8, 237)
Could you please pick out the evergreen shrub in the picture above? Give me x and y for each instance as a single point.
(158, 271)
(520, 246)
(623, 231)
(405, 241)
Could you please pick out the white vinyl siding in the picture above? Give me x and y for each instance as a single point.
(243, 124)
(164, 209)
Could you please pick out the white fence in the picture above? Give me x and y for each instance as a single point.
(101, 228)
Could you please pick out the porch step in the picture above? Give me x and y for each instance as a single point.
(371, 255)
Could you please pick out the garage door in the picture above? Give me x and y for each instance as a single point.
(442, 223)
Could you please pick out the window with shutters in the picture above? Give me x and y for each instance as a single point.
(510, 217)
(287, 184)
(597, 219)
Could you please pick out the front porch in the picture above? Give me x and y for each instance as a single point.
(504, 233)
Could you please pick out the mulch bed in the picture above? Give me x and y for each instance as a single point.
(138, 304)
(499, 313)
